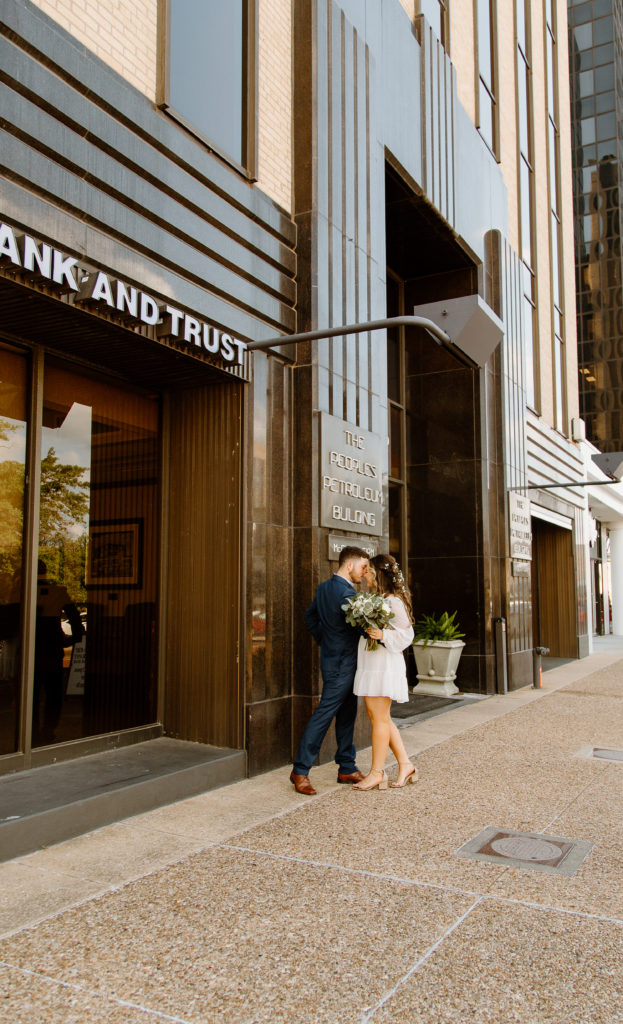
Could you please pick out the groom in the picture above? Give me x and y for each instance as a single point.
(338, 641)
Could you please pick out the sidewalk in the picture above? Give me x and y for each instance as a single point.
(253, 905)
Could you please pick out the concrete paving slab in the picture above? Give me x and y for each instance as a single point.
(204, 929)
(607, 683)
(556, 725)
(28, 895)
(401, 833)
(112, 855)
(602, 658)
(510, 964)
(597, 888)
(26, 998)
(599, 806)
(594, 889)
(230, 936)
(218, 815)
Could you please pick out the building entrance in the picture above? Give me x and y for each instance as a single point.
(79, 615)
(553, 590)
(120, 561)
(440, 506)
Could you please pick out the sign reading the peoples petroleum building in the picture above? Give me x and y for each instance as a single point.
(520, 526)
(351, 486)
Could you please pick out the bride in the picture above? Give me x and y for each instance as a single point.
(382, 676)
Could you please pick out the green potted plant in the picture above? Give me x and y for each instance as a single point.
(437, 647)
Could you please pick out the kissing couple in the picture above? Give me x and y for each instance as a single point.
(350, 670)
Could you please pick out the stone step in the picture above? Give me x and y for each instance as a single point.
(47, 805)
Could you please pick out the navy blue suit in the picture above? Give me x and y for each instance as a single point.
(338, 662)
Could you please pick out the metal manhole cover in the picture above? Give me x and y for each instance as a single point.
(527, 849)
(520, 848)
(606, 754)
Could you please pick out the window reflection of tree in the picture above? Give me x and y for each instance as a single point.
(65, 492)
(11, 500)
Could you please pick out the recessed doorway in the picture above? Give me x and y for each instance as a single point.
(553, 590)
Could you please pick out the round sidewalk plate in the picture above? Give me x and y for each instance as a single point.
(526, 849)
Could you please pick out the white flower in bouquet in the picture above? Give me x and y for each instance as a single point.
(369, 611)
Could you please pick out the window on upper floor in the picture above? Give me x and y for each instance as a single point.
(553, 158)
(526, 194)
(209, 73)
(437, 15)
(442, 27)
(485, 13)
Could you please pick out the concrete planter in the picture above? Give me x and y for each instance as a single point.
(436, 667)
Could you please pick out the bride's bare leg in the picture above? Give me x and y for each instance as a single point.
(396, 745)
(378, 710)
(400, 753)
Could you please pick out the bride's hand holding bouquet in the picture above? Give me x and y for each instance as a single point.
(369, 612)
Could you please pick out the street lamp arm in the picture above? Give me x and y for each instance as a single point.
(369, 325)
(578, 483)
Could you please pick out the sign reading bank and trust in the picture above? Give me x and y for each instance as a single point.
(351, 486)
(94, 288)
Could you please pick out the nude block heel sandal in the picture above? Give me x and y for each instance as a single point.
(412, 777)
(381, 784)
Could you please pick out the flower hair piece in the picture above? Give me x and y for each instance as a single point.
(394, 571)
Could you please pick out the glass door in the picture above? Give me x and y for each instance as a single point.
(13, 447)
(97, 579)
(79, 556)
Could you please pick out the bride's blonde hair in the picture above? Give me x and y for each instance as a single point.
(388, 579)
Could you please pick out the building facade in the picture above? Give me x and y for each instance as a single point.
(181, 181)
(594, 74)
(596, 80)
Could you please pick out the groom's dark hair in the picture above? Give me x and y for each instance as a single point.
(348, 554)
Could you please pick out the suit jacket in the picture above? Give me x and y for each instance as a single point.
(326, 622)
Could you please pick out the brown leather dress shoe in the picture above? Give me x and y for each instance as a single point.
(302, 784)
(348, 780)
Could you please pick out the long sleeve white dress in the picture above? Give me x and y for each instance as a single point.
(383, 673)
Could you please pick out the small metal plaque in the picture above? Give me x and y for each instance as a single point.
(520, 568)
(370, 546)
(534, 850)
(519, 526)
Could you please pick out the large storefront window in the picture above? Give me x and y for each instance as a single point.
(95, 647)
(13, 404)
(78, 585)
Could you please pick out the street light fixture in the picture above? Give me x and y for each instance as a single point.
(471, 330)
(610, 463)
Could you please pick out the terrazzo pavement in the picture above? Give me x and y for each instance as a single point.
(254, 905)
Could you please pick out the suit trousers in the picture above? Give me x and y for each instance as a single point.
(337, 701)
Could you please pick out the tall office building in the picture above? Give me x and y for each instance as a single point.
(596, 99)
(183, 182)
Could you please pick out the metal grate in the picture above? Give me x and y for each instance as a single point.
(534, 850)
(607, 754)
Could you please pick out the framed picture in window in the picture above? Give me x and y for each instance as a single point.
(115, 556)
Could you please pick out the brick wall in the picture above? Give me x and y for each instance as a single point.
(275, 101)
(123, 33)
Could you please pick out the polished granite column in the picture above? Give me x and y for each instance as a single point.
(270, 627)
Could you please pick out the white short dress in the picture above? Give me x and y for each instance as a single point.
(383, 673)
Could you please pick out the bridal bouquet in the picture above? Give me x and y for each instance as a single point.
(367, 610)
